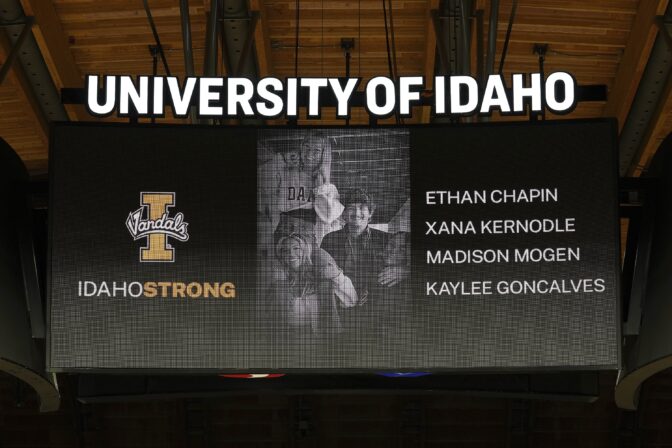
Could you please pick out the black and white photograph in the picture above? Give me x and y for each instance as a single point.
(334, 243)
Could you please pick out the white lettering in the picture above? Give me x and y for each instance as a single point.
(265, 89)
(235, 97)
(457, 106)
(405, 93)
(343, 95)
(371, 101)
(206, 95)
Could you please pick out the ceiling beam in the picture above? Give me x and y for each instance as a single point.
(477, 41)
(262, 45)
(262, 40)
(657, 130)
(24, 92)
(634, 59)
(55, 49)
(430, 55)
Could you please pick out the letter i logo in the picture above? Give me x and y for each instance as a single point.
(158, 248)
(156, 226)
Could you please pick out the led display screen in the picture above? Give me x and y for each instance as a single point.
(433, 248)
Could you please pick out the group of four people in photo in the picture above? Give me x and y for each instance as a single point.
(332, 272)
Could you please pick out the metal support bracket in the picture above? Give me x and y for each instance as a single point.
(641, 267)
(663, 23)
(443, 51)
(247, 47)
(11, 57)
(24, 236)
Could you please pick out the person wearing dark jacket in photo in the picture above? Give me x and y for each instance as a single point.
(359, 250)
(390, 315)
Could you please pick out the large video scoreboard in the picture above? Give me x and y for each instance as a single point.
(441, 248)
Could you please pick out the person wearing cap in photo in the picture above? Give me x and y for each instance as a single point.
(304, 201)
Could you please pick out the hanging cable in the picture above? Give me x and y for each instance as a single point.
(296, 41)
(389, 54)
(387, 42)
(359, 38)
(540, 50)
(394, 46)
(155, 69)
(156, 37)
(322, 37)
(512, 18)
(394, 50)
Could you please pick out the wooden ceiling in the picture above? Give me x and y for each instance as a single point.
(600, 41)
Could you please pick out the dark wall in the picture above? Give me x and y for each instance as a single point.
(347, 421)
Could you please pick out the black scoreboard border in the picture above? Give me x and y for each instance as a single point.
(611, 122)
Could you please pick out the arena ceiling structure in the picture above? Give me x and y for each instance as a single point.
(618, 51)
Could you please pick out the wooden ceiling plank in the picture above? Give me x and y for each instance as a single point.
(55, 49)
(636, 54)
(579, 7)
(262, 39)
(114, 16)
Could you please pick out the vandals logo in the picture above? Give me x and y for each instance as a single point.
(151, 221)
